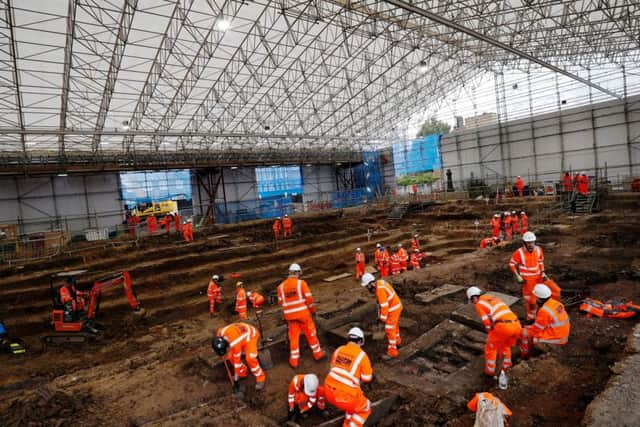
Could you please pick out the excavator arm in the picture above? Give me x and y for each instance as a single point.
(104, 283)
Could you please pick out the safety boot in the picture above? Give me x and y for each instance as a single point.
(260, 385)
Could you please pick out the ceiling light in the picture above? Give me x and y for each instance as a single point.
(234, 167)
(308, 165)
(223, 24)
(62, 174)
(125, 126)
(422, 67)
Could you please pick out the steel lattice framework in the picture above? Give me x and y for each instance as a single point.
(148, 82)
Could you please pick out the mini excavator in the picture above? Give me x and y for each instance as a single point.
(70, 322)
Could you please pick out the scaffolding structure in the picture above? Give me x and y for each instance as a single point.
(106, 85)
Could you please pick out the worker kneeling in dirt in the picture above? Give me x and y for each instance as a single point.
(390, 310)
(235, 339)
(489, 410)
(551, 326)
(502, 326)
(350, 365)
(256, 299)
(304, 395)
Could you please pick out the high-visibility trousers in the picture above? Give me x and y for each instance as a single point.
(352, 401)
(495, 232)
(500, 339)
(527, 340)
(287, 232)
(359, 269)
(392, 330)
(308, 328)
(530, 299)
(251, 355)
(212, 305)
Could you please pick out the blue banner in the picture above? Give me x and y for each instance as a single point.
(419, 155)
(279, 181)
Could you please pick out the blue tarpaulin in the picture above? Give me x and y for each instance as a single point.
(279, 181)
(419, 155)
(154, 186)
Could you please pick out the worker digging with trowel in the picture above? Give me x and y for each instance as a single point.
(390, 310)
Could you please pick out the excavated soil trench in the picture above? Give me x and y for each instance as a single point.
(161, 370)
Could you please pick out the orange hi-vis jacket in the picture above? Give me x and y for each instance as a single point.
(492, 310)
(387, 299)
(241, 301)
(552, 324)
(520, 184)
(567, 184)
(530, 265)
(495, 223)
(299, 397)
(238, 335)
(404, 256)
(349, 365)
(378, 256)
(524, 223)
(473, 403)
(415, 260)
(395, 264)
(415, 244)
(256, 299)
(214, 292)
(277, 226)
(360, 259)
(287, 223)
(295, 298)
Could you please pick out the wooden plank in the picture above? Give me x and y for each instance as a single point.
(337, 277)
(439, 292)
(429, 339)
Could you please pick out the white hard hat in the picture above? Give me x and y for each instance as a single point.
(522, 213)
(357, 249)
(541, 291)
(286, 215)
(399, 245)
(215, 277)
(366, 279)
(310, 384)
(518, 176)
(295, 267)
(279, 218)
(529, 237)
(415, 235)
(356, 332)
(473, 291)
(248, 294)
(507, 213)
(496, 215)
(513, 212)
(378, 245)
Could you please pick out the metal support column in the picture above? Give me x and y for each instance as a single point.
(560, 128)
(626, 121)
(532, 127)
(594, 143)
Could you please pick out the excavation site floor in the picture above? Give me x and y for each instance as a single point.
(161, 371)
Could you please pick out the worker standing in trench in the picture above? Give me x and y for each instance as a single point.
(390, 310)
(297, 304)
(502, 326)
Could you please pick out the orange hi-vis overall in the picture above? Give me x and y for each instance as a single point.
(473, 403)
(152, 224)
(243, 338)
(349, 365)
(508, 229)
(524, 223)
(495, 227)
(396, 266)
(187, 232)
(415, 244)
(214, 294)
(256, 300)
(297, 396)
(360, 264)
(503, 331)
(515, 227)
(241, 303)
(552, 326)
(529, 265)
(390, 310)
(404, 258)
(297, 303)
(415, 261)
(277, 226)
(287, 226)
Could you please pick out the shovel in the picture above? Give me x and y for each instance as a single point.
(233, 379)
(264, 354)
